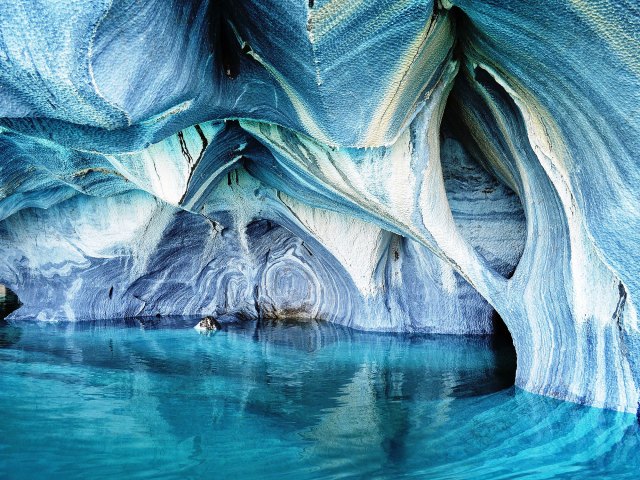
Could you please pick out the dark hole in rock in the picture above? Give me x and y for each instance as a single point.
(228, 45)
(502, 344)
(222, 39)
(8, 301)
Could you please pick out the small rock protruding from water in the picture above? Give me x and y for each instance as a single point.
(208, 324)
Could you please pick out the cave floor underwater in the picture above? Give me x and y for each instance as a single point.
(153, 398)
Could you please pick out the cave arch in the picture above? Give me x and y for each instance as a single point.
(484, 201)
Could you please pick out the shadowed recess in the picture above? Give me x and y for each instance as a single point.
(8, 302)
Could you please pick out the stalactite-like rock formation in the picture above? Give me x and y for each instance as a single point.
(388, 165)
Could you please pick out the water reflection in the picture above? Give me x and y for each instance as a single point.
(153, 398)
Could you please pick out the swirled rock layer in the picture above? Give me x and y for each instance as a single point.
(389, 165)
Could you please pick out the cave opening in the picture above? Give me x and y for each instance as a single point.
(483, 199)
(504, 350)
(8, 302)
(483, 194)
(489, 215)
(487, 212)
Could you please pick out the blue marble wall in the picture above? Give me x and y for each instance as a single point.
(389, 165)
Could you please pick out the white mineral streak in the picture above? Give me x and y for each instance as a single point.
(358, 245)
(355, 179)
(159, 170)
(419, 57)
(590, 278)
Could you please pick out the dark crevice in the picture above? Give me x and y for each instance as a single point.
(502, 345)
(8, 302)
(223, 42)
(617, 314)
(229, 51)
(256, 301)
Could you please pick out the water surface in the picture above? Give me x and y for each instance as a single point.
(156, 399)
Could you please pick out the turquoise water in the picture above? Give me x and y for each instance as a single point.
(157, 399)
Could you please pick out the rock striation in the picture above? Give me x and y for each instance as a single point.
(412, 166)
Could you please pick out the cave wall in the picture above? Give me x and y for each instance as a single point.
(393, 166)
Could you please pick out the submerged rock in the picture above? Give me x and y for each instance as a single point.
(208, 324)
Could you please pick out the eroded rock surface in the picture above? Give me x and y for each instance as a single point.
(393, 166)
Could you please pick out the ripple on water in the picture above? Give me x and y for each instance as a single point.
(155, 399)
